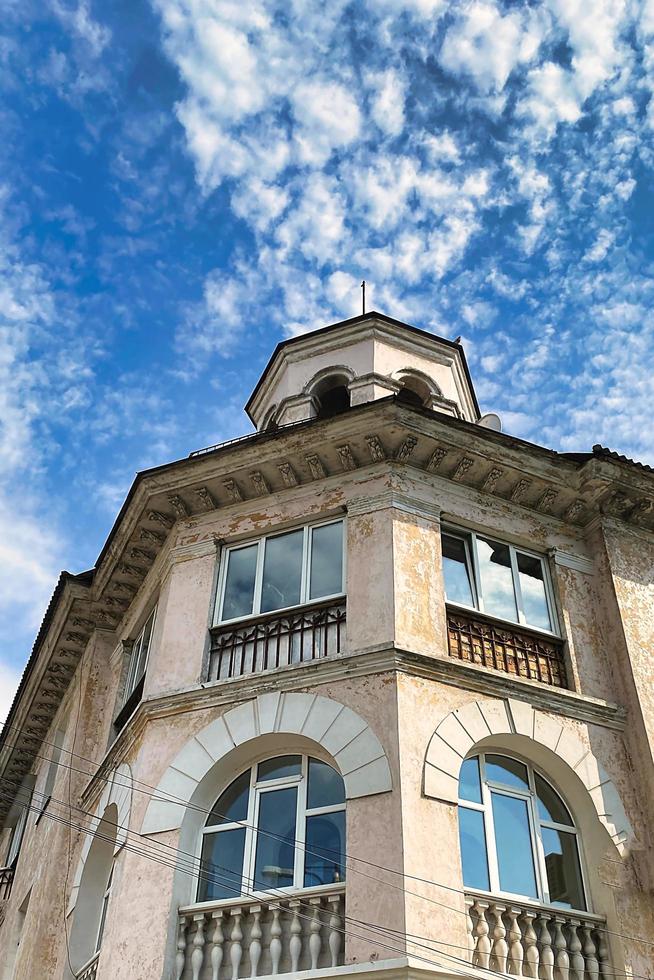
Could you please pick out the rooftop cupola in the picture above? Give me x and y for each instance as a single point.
(325, 372)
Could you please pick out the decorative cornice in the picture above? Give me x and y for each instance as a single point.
(568, 560)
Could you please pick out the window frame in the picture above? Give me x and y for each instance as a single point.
(469, 539)
(104, 908)
(536, 823)
(305, 578)
(257, 788)
(131, 681)
(52, 771)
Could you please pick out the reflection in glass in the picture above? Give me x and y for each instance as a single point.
(473, 849)
(326, 561)
(274, 864)
(458, 587)
(496, 579)
(509, 772)
(233, 804)
(239, 583)
(469, 781)
(326, 786)
(279, 768)
(563, 871)
(532, 587)
(550, 805)
(282, 571)
(325, 849)
(513, 843)
(222, 865)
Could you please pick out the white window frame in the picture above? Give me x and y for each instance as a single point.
(469, 540)
(251, 825)
(52, 770)
(103, 910)
(536, 823)
(305, 584)
(132, 682)
(18, 832)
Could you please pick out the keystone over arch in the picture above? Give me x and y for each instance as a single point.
(117, 791)
(462, 729)
(350, 741)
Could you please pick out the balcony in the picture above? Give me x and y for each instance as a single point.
(90, 970)
(6, 881)
(247, 938)
(536, 941)
(477, 639)
(277, 640)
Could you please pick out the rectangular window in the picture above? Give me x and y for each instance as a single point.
(498, 579)
(53, 768)
(281, 571)
(138, 660)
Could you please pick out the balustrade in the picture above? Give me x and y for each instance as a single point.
(6, 881)
(228, 940)
(512, 649)
(90, 970)
(277, 640)
(535, 941)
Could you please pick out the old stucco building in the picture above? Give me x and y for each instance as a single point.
(368, 691)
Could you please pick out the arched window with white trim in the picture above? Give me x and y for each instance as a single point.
(279, 825)
(517, 835)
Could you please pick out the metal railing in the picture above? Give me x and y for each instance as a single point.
(6, 881)
(515, 650)
(90, 970)
(277, 640)
(530, 940)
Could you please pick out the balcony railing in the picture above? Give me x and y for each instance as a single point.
(90, 970)
(6, 881)
(248, 938)
(513, 649)
(536, 941)
(277, 640)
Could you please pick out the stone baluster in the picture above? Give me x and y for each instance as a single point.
(516, 952)
(561, 958)
(236, 946)
(217, 941)
(546, 951)
(197, 956)
(481, 930)
(500, 949)
(275, 940)
(180, 956)
(577, 964)
(295, 943)
(532, 958)
(255, 939)
(315, 937)
(603, 954)
(590, 953)
(469, 929)
(334, 928)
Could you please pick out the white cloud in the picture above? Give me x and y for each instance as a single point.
(388, 92)
(328, 118)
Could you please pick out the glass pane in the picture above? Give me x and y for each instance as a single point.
(509, 772)
(326, 560)
(282, 571)
(221, 871)
(276, 839)
(239, 582)
(326, 786)
(233, 804)
(282, 766)
(473, 849)
(324, 860)
(563, 871)
(515, 860)
(469, 781)
(496, 579)
(550, 805)
(456, 571)
(532, 586)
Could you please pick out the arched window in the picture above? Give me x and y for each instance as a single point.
(279, 825)
(333, 396)
(517, 835)
(94, 892)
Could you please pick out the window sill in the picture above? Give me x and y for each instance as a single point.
(247, 621)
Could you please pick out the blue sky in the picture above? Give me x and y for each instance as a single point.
(185, 182)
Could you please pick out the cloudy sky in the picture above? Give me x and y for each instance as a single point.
(185, 182)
